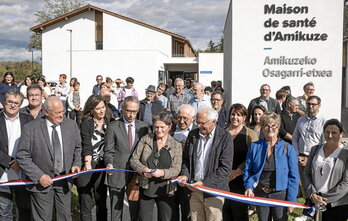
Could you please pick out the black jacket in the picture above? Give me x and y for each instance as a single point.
(273, 106)
(219, 162)
(155, 109)
(4, 157)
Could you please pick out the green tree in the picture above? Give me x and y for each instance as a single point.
(53, 9)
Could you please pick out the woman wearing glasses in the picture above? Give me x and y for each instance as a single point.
(326, 174)
(161, 153)
(271, 170)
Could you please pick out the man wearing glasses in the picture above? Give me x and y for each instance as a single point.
(271, 104)
(185, 118)
(308, 133)
(121, 138)
(11, 124)
(217, 102)
(207, 161)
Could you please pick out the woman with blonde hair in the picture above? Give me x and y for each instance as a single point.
(271, 170)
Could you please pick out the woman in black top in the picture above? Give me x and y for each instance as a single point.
(242, 138)
(95, 118)
(161, 153)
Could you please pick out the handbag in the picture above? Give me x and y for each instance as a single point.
(132, 189)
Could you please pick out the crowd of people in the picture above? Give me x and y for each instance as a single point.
(280, 148)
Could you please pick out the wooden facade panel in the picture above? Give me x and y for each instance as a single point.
(98, 26)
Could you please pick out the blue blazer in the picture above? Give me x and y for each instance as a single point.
(286, 163)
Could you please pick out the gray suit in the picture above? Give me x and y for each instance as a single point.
(117, 153)
(338, 183)
(35, 155)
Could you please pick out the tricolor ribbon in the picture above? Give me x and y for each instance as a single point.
(57, 178)
(245, 199)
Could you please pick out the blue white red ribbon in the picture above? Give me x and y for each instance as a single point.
(228, 195)
(245, 199)
(57, 178)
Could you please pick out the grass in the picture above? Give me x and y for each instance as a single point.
(75, 206)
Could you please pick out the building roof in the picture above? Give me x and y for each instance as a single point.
(67, 16)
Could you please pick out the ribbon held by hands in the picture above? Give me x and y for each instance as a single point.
(245, 199)
(67, 176)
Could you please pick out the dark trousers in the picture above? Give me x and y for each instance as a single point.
(278, 213)
(116, 201)
(233, 210)
(165, 207)
(181, 204)
(338, 213)
(59, 195)
(22, 199)
(95, 187)
(75, 115)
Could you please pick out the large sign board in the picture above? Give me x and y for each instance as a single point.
(284, 42)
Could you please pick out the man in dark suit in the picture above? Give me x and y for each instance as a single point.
(49, 147)
(121, 138)
(11, 124)
(271, 104)
(207, 161)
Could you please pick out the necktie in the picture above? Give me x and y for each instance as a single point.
(58, 164)
(130, 136)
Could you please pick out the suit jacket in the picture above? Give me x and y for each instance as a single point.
(219, 162)
(117, 151)
(4, 157)
(338, 183)
(36, 155)
(273, 106)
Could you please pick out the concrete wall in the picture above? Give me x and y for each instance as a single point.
(246, 50)
(128, 50)
(210, 67)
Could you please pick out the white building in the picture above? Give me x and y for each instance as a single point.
(91, 41)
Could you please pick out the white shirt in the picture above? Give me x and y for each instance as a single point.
(13, 128)
(58, 128)
(181, 135)
(197, 104)
(126, 123)
(203, 152)
(128, 92)
(308, 133)
(323, 169)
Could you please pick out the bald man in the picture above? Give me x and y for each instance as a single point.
(50, 146)
(199, 99)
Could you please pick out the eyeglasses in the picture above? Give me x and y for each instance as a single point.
(14, 103)
(311, 104)
(185, 119)
(273, 127)
(131, 111)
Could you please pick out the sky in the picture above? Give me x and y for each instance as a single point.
(197, 20)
